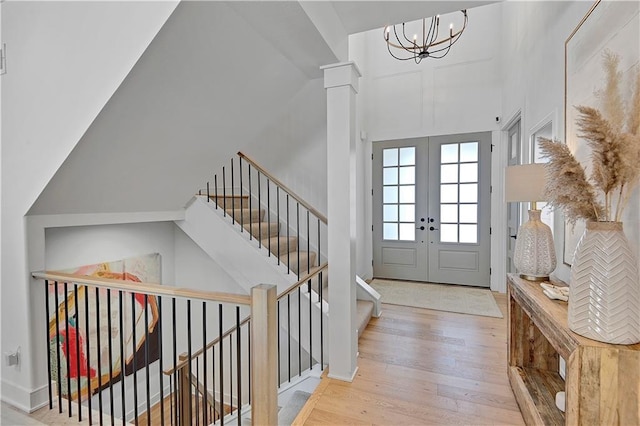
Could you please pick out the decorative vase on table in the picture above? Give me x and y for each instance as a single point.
(604, 291)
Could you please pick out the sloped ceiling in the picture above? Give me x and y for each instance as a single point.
(207, 85)
(214, 77)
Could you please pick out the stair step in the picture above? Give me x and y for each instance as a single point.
(286, 245)
(306, 258)
(245, 215)
(262, 229)
(228, 201)
(364, 311)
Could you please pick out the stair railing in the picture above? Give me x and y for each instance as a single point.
(288, 347)
(104, 338)
(245, 186)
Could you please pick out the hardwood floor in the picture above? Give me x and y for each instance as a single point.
(419, 367)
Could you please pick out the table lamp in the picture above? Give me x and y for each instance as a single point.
(535, 255)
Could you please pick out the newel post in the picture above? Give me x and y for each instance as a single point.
(264, 355)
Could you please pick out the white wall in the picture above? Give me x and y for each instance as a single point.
(65, 63)
(458, 94)
(294, 146)
(533, 73)
(85, 245)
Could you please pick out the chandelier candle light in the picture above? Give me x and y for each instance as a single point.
(428, 46)
(534, 255)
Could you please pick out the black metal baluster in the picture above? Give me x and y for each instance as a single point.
(321, 324)
(215, 189)
(213, 377)
(249, 358)
(76, 324)
(173, 415)
(319, 252)
(233, 199)
(67, 343)
(59, 372)
(231, 372)
(269, 216)
(224, 192)
(208, 196)
(278, 215)
(299, 334)
(311, 322)
(309, 291)
(279, 356)
(99, 354)
(111, 408)
(288, 241)
(204, 357)
(197, 397)
(161, 354)
(289, 334)
(175, 355)
(238, 364)
(241, 199)
(122, 355)
(86, 309)
(48, 329)
(134, 344)
(221, 375)
(298, 245)
(250, 205)
(146, 355)
(189, 372)
(260, 207)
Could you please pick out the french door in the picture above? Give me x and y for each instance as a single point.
(431, 199)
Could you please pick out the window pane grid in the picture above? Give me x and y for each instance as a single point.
(398, 175)
(459, 192)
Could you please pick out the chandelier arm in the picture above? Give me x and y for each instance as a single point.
(452, 41)
(404, 34)
(433, 33)
(396, 57)
(401, 46)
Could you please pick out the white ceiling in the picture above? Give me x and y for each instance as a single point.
(358, 16)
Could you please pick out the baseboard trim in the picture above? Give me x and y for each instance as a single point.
(343, 378)
(24, 399)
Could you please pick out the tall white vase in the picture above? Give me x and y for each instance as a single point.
(604, 292)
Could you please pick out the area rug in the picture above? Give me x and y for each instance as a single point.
(440, 297)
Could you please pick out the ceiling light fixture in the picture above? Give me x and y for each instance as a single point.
(428, 46)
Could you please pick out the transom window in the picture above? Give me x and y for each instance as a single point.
(399, 194)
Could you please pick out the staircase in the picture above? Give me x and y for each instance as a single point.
(286, 248)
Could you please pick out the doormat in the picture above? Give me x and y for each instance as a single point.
(440, 297)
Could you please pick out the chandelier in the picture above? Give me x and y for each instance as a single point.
(428, 46)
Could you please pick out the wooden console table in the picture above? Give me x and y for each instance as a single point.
(602, 380)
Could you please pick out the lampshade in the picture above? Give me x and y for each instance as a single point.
(525, 182)
(534, 255)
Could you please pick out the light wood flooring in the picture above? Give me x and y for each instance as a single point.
(423, 367)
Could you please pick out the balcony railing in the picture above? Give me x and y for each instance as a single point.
(110, 342)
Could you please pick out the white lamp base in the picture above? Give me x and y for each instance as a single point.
(535, 254)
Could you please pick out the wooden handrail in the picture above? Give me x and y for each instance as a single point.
(275, 180)
(183, 363)
(147, 288)
(292, 288)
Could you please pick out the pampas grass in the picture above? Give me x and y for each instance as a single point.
(614, 139)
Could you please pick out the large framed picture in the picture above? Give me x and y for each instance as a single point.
(612, 26)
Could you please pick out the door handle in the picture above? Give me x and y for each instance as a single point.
(431, 228)
(515, 237)
(421, 228)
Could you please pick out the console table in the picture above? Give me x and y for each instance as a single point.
(602, 380)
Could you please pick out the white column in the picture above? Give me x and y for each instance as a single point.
(341, 83)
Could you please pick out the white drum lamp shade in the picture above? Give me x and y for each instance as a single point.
(535, 254)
